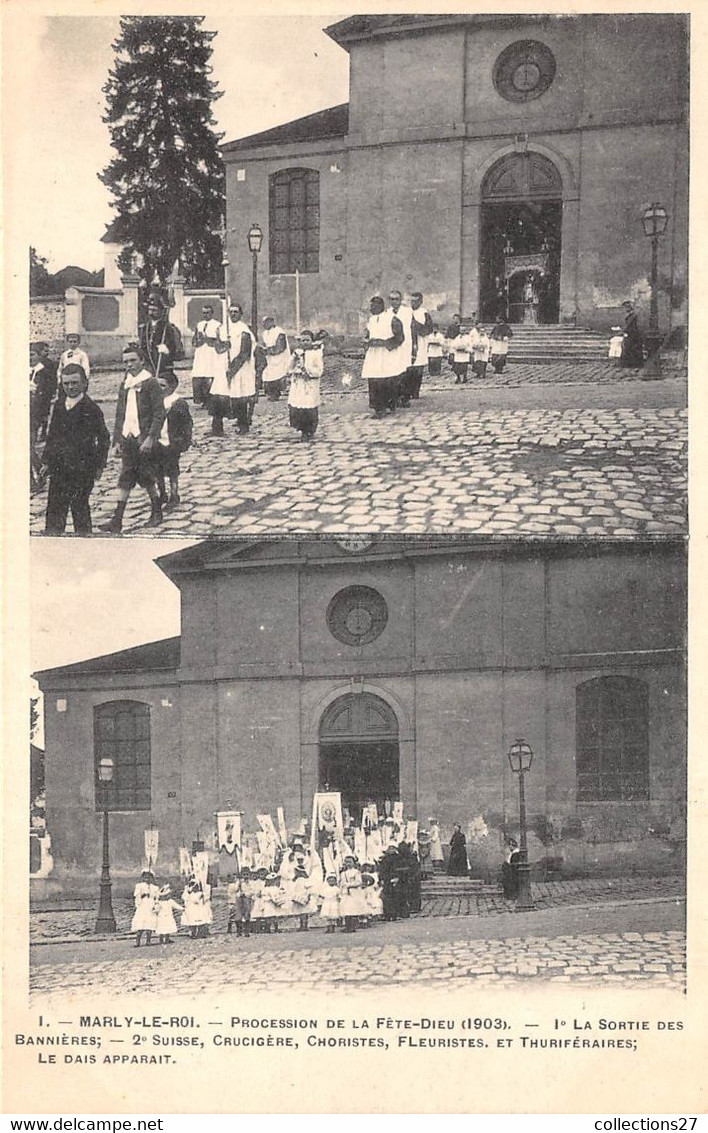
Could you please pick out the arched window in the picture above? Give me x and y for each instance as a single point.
(612, 739)
(294, 221)
(121, 730)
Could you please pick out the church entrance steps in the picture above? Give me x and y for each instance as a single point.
(555, 342)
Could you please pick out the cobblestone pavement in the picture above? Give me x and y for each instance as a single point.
(74, 921)
(451, 462)
(618, 946)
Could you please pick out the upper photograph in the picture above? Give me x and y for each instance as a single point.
(412, 274)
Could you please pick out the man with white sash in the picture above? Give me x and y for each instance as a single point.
(422, 326)
(234, 386)
(206, 341)
(277, 352)
(384, 337)
(406, 352)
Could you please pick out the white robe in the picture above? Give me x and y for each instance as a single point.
(378, 361)
(243, 382)
(145, 916)
(207, 361)
(277, 366)
(421, 351)
(166, 923)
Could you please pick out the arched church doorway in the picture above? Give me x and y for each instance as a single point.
(358, 751)
(520, 247)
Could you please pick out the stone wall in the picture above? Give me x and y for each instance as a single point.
(46, 321)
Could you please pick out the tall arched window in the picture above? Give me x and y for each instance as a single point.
(121, 730)
(294, 221)
(612, 739)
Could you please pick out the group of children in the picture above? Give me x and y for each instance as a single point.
(473, 347)
(260, 899)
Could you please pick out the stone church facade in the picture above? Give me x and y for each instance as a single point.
(476, 153)
(390, 669)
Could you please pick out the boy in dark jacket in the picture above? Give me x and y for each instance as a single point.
(74, 455)
(175, 438)
(139, 417)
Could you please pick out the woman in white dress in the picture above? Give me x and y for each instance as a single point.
(437, 856)
(144, 919)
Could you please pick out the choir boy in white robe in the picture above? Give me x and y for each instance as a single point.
(207, 362)
(305, 369)
(480, 351)
(500, 336)
(166, 923)
(437, 855)
(277, 351)
(145, 896)
(384, 338)
(436, 349)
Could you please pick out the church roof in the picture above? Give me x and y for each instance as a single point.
(163, 654)
(330, 123)
(355, 28)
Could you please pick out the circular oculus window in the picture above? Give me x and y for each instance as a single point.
(357, 615)
(524, 70)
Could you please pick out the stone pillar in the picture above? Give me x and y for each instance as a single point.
(178, 313)
(72, 311)
(569, 261)
(128, 324)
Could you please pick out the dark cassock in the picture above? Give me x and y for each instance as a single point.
(632, 347)
(457, 865)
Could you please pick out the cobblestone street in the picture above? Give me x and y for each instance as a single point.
(619, 945)
(525, 460)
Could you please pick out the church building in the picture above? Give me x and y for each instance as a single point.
(497, 163)
(389, 669)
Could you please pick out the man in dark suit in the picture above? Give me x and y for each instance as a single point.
(74, 455)
(159, 339)
(139, 416)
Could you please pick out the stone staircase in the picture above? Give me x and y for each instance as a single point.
(556, 343)
(440, 885)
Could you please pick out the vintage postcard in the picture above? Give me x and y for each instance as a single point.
(347, 559)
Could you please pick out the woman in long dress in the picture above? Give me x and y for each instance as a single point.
(632, 348)
(457, 865)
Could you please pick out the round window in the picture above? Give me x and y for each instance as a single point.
(357, 615)
(524, 70)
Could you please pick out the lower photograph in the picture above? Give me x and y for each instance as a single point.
(357, 763)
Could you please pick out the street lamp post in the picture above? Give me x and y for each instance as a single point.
(105, 921)
(654, 221)
(255, 240)
(520, 759)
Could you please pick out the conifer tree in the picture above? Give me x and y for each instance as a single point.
(167, 176)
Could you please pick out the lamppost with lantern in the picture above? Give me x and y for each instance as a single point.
(255, 240)
(105, 921)
(654, 221)
(520, 760)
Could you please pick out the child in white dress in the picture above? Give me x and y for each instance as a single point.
(329, 910)
(166, 923)
(144, 919)
(352, 904)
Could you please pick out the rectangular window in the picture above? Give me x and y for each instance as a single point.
(294, 221)
(612, 740)
(121, 730)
